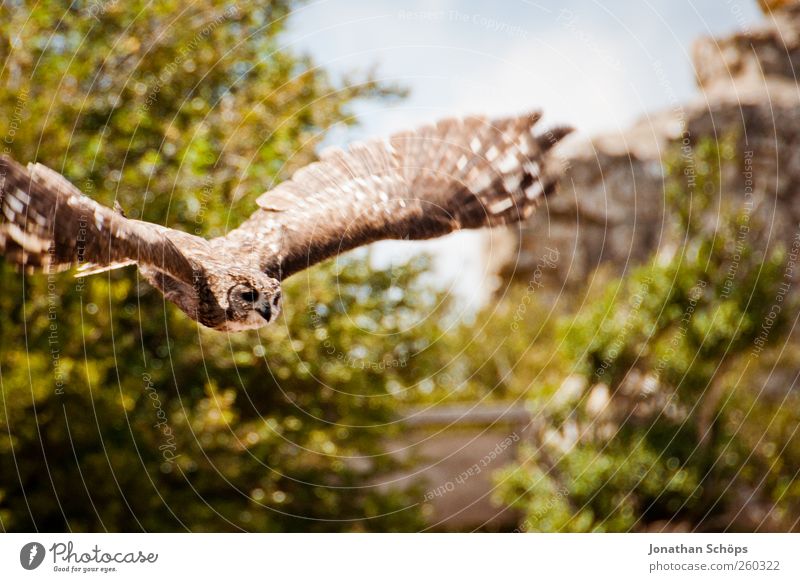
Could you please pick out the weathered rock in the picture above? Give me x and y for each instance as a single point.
(611, 207)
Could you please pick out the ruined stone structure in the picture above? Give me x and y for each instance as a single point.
(610, 210)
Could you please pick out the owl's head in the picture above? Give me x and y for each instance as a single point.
(252, 304)
(221, 296)
(250, 300)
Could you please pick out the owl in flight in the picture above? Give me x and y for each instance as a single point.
(458, 173)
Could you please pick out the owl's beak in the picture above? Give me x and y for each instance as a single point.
(265, 311)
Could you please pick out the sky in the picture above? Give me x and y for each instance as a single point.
(595, 65)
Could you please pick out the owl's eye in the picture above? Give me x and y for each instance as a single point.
(249, 296)
(277, 299)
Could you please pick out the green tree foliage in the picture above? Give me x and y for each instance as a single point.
(117, 412)
(676, 409)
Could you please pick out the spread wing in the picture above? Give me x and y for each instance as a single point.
(459, 173)
(47, 223)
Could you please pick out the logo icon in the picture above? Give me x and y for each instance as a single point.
(31, 555)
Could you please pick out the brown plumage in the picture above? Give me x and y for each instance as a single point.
(458, 173)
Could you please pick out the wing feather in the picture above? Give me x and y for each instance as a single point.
(48, 223)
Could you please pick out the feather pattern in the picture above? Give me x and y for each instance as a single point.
(458, 173)
(49, 224)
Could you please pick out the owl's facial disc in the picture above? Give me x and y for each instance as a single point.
(252, 305)
(261, 303)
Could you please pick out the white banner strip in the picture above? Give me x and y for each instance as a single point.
(406, 557)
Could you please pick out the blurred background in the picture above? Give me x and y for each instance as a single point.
(625, 361)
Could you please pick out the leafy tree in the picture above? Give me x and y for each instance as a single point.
(669, 414)
(665, 401)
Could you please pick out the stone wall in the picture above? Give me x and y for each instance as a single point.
(610, 212)
(457, 451)
(610, 208)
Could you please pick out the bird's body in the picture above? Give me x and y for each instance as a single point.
(458, 173)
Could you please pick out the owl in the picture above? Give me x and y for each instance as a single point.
(459, 173)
